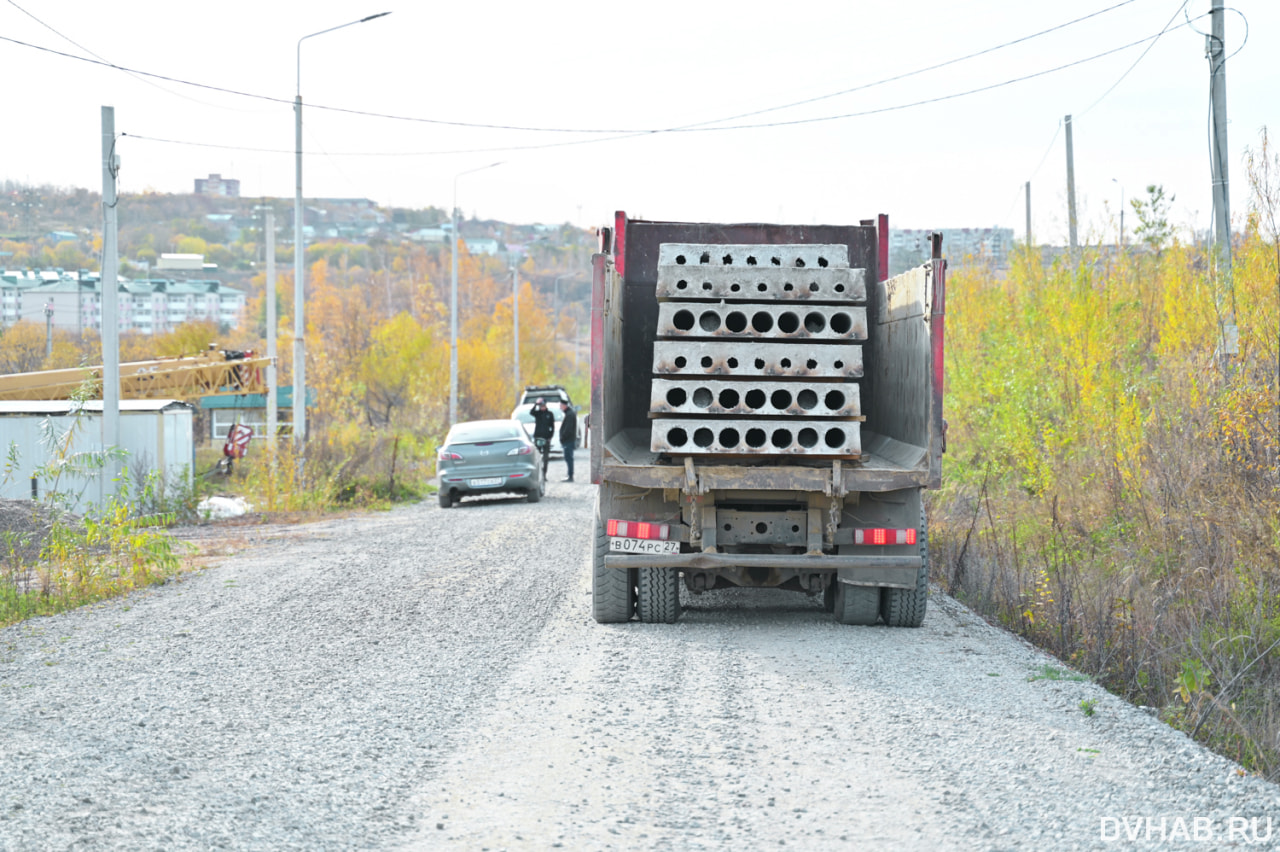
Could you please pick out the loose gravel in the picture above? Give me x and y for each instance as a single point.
(432, 679)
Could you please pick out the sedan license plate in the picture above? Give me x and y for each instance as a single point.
(642, 545)
(485, 483)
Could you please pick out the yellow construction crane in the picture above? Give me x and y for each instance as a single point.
(218, 372)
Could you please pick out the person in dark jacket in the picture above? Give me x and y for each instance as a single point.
(544, 429)
(568, 436)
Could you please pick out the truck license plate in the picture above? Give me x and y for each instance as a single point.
(485, 483)
(642, 545)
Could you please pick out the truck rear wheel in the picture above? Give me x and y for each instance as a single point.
(612, 600)
(659, 601)
(906, 607)
(856, 604)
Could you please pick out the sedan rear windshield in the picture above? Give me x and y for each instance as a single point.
(473, 432)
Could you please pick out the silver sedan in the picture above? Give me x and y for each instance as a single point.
(488, 457)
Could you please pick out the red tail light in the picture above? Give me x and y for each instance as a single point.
(446, 455)
(884, 536)
(638, 529)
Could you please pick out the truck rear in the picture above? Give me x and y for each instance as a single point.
(766, 412)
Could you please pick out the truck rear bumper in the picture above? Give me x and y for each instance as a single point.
(868, 570)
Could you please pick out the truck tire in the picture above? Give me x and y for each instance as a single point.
(856, 604)
(612, 598)
(906, 607)
(445, 498)
(659, 601)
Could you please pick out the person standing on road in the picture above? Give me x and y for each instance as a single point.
(568, 436)
(544, 429)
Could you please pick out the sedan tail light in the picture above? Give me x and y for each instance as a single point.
(447, 455)
(520, 451)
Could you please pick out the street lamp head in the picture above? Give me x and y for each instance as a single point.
(372, 17)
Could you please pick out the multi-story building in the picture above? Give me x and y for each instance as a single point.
(909, 247)
(73, 301)
(218, 185)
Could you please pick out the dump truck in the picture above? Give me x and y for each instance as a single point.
(766, 412)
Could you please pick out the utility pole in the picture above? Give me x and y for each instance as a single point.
(273, 413)
(110, 298)
(1071, 191)
(1215, 49)
(48, 332)
(1028, 214)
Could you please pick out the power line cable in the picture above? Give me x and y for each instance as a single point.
(137, 76)
(1141, 57)
(621, 135)
(617, 132)
(918, 71)
(142, 74)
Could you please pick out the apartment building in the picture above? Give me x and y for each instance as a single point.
(73, 301)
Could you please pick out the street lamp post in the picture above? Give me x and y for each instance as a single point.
(453, 299)
(515, 330)
(299, 250)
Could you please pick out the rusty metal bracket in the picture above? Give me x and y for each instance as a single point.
(834, 510)
(695, 520)
(709, 521)
(690, 477)
(814, 526)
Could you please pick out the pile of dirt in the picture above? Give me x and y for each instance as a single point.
(24, 527)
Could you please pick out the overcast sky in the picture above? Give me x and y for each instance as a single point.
(429, 69)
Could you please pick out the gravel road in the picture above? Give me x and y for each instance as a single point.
(431, 679)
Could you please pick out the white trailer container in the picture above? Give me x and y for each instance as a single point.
(156, 434)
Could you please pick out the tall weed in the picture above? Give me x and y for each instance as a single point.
(1111, 493)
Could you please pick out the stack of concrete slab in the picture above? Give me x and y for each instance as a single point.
(758, 351)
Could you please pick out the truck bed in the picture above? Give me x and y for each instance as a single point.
(900, 406)
(886, 465)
